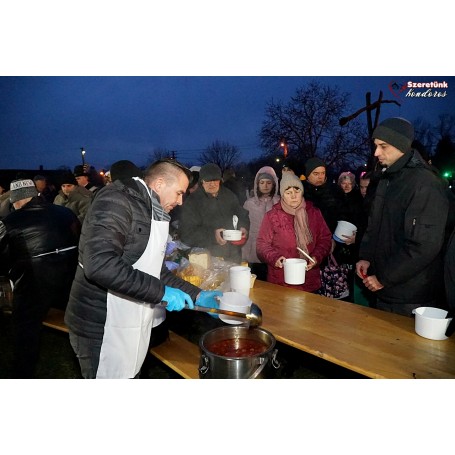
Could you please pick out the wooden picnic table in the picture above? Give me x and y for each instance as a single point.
(371, 342)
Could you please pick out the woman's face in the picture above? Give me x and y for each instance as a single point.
(265, 187)
(293, 197)
(346, 185)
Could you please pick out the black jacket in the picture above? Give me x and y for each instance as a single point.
(324, 198)
(202, 214)
(114, 235)
(39, 227)
(405, 233)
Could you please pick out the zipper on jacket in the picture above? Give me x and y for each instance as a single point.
(414, 222)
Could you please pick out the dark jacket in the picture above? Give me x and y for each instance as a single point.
(405, 233)
(277, 238)
(449, 272)
(39, 227)
(351, 209)
(202, 214)
(114, 235)
(324, 198)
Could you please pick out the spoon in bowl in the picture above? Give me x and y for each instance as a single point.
(307, 255)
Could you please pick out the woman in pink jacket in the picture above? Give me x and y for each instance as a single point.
(293, 222)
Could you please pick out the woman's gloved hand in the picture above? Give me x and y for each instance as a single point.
(176, 299)
(207, 299)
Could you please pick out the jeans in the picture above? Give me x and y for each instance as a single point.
(88, 353)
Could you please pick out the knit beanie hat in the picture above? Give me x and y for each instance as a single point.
(124, 170)
(80, 170)
(346, 176)
(265, 175)
(312, 163)
(22, 189)
(289, 180)
(209, 172)
(397, 132)
(68, 178)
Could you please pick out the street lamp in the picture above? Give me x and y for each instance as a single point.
(83, 156)
(285, 149)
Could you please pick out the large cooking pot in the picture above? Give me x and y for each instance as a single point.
(254, 365)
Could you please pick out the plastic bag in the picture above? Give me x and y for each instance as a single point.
(334, 279)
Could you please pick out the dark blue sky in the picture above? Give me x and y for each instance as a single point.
(45, 120)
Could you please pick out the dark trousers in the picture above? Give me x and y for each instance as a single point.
(27, 318)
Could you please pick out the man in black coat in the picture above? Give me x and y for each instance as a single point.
(401, 255)
(38, 253)
(208, 212)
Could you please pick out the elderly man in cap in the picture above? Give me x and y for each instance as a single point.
(38, 253)
(401, 257)
(210, 210)
(83, 178)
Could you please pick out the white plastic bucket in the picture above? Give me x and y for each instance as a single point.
(294, 271)
(240, 279)
(344, 228)
(431, 322)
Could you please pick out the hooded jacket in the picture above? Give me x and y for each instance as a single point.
(405, 234)
(257, 207)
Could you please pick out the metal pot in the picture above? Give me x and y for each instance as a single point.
(259, 366)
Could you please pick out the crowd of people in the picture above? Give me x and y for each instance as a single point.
(99, 251)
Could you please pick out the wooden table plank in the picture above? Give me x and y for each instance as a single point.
(371, 342)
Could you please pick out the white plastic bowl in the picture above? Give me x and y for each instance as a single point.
(232, 235)
(431, 322)
(344, 228)
(234, 301)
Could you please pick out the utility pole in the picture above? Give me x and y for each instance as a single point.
(369, 108)
(83, 156)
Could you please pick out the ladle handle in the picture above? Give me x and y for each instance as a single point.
(219, 311)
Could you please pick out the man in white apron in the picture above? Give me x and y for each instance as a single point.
(121, 279)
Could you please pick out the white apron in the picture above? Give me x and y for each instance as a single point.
(129, 322)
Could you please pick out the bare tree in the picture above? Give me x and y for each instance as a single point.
(158, 154)
(221, 153)
(445, 126)
(309, 125)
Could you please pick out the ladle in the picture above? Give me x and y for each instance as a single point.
(254, 316)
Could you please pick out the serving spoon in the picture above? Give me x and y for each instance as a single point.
(254, 316)
(306, 255)
(235, 220)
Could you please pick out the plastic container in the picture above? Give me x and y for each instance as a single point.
(234, 301)
(344, 228)
(294, 271)
(431, 322)
(232, 235)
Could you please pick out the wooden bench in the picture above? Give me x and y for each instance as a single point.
(179, 354)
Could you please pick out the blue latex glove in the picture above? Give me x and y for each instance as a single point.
(207, 300)
(176, 299)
